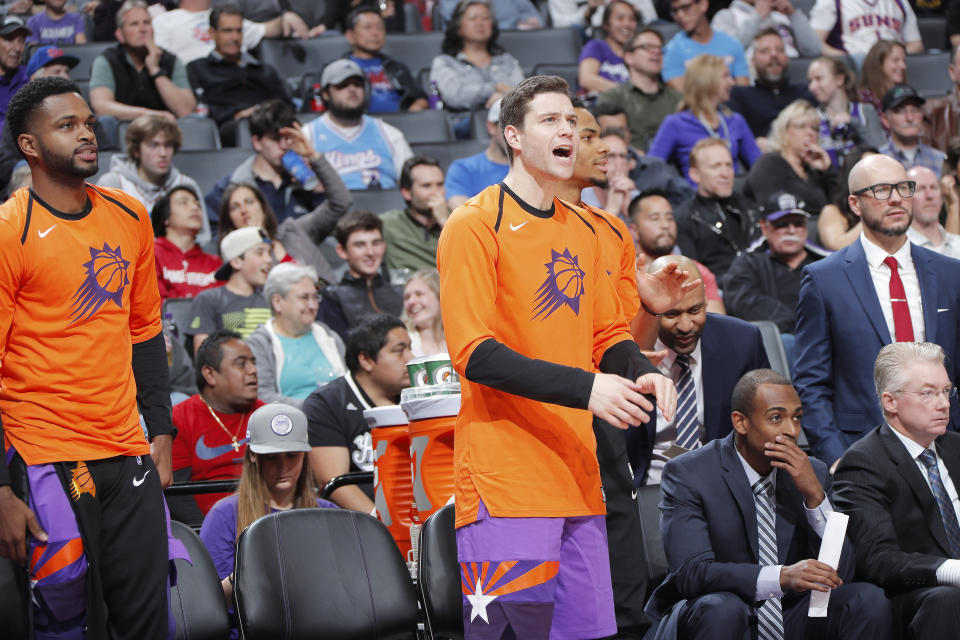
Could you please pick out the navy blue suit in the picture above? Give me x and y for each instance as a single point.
(840, 331)
(729, 347)
(709, 529)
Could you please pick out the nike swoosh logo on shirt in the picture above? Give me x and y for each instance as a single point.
(139, 482)
(514, 227)
(209, 453)
(43, 234)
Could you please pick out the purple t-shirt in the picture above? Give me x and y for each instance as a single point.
(48, 31)
(612, 66)
(9, 85)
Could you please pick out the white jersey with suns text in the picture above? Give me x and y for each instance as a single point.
(855, 25)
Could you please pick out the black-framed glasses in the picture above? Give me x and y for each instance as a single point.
(649, 48)
(883, 190)
(928, 395)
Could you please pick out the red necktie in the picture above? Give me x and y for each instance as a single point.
(902, 325)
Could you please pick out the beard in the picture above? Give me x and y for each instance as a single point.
(343, 112)
(893, 232)
(600, 183)
(66, 165)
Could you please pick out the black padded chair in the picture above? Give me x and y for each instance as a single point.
(179, 310)
(933, 33)
(416, 50)
(377, 200)
(206, 167)
(199, 134)
(85, 53)
(928, 74)
(13, 611)
(773, 345)
(648, 497)
(427, 126)
(196, 602)
(447, 152)
(569, 72)
(438, 576)
(322, 573)
(530, 47)
(293, 58)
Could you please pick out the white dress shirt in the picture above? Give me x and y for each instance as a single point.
(949, 571)
(768, 582)
(666, 429)
(880, 273)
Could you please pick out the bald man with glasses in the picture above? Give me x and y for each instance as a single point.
(879, 290)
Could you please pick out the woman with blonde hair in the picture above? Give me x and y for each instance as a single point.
(706, 87)
(421, 313)
(796, 163)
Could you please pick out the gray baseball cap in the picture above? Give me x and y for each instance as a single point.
(277, 428)
(340, 70)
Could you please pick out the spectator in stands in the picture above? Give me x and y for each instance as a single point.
(295, 354)
(844, 122)
(137, 77)
(796, 163)
(706, 87)
(942, 115)
(928, 203)
(468, 176)
(715, 351)
(313, 12)
(601, 63)
(884, 68)
(747, 19)
(509, 14)
(20, 177)
(654, 232)
(54, 25)
(378, 349)
(412, 233)
(146, 171)
(184, 269)
(185, 30)
(232, 82)
(614, 194)
(719, 224)
(365, 287)
(421, 313)
(573, 13)
(697, 38)
(855, 28)
(212, 425)
(238, 305)
(473, 71)
(298, 239)
(367, 152)
(895, 484)
(274, 478)
(13, 74)
(643, 97)
(764, 282)
(771, 90)
(392, 86)
(50, 61)
(839, 225)
(903, 116)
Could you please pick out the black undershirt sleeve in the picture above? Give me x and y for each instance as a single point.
(153, 386)
(4, 471)
(626, 360)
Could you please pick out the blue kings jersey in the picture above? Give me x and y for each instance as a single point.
(364, 159)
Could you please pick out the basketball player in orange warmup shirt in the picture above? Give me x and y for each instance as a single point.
(81, 344)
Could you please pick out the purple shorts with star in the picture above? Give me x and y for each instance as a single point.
(541, 578)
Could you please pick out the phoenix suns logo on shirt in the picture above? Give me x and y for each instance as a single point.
(563, 285)
(106, 279)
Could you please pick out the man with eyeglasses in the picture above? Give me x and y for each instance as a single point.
(644, 98)
(697, 38)
(898, 484)
(880, 289)
(903, 115)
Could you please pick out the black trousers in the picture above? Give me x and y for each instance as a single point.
(628, 562)
(928, 614)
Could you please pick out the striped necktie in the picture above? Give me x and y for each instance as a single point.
(944, 503)
(770, 613)
(686, 421)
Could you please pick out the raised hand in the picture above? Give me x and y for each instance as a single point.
(663, 289)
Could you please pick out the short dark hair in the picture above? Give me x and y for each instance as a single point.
(28, 99)
(767, 31)
(650, 192)
(228, 9)
(607, 109)
(618, 132)
(406, 173)
(368, 337)
(453, 43)
(633, 41)
(513, 107)
(745, 391)
(353, 17)
(271, 116)
(356, 221)
(579, 103)
(210, 353)
(225, 222)
(161, 209)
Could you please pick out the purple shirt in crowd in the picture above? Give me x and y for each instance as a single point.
(9, 85)
(612, 66)
(49, 31)
(679, 132)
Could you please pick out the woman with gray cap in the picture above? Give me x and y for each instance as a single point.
(274, 478)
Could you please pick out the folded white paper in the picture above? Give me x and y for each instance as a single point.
(830, 548)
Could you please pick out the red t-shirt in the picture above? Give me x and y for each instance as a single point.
(184, 274)
(203, 446)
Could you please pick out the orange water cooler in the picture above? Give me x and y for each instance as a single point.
(392, 484)
(432, 421)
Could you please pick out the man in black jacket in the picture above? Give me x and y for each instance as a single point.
(392, 86)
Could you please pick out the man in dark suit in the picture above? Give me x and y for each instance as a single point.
(846, 312)
(711, 351)
(896, 483)
(741, 521)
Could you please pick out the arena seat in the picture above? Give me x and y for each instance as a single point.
(179, 308)
(416, 50)
(86, 53)
(666, 29)
(13, 612)
(933, 33)
(206, 167)
(199, 134)
(438, 577)
(648, 497)
(568, 72)
(797, 68)
(773, 345)
(377, 200)
(927, 73)
(293, 58)
(196, 602)
(530, 48)
(330, 573)
(447, 152)
(429, 125)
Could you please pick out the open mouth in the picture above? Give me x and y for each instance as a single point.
(563, 151)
